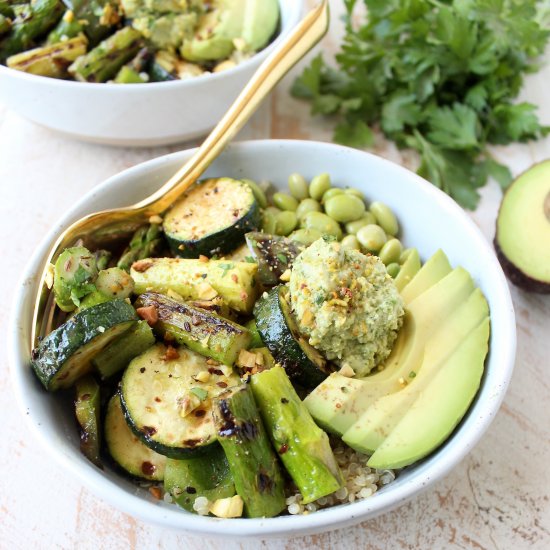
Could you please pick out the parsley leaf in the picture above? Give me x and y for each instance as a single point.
(440, 77)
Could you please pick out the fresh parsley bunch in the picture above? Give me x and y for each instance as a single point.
(439, 77)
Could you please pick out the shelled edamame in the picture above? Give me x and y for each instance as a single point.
(312, 209)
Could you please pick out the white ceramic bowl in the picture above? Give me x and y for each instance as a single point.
(429, 220)
(156, 113)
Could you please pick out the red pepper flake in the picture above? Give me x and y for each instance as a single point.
(221, 384)
(283, 449)
(199, 413)
(85, 397)
(142, 265)
(155, 492)
(212, 370)
(149, 314)
(171, 353)
(234, 278)
(158, 399)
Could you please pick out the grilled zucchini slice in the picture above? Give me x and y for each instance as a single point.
(127, 450)
(166, 395)
(278, 330)
(211, 218)
(66, 353)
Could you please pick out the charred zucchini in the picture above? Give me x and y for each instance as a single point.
(66, 353)
(234, 282)
(204, 476)
(127, 450)
(118, 354)
(202, 331)
(273, 254)
(211, 218)
(166, 395)
(279, 332)
(86, 407)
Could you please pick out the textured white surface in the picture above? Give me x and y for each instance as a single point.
(497, 498)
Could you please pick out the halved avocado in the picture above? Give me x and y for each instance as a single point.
(522, 240)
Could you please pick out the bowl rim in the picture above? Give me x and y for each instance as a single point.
(330, 518)
(292, 9)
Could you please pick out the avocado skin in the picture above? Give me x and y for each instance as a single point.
(517, 277)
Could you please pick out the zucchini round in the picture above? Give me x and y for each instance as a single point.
(127, 450)
(211, 218)
(167, 405)
(280, 335)
(66, 353)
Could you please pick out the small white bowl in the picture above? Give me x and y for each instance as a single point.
(157, 113)
(429, 220)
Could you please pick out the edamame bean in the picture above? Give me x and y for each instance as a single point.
(350, 242)
(285, 223)
(345, 208)
(297, 185)
(404, 255)
(393, 270)
(355, 193)
(307, 205)
(332, 192)
(319, 186)
(353, 227)
(257, 191)
(269, 219)
(385, 218)
(323, 223)
(305, 236)
(371, 237)
(391, 252)
(285, 202)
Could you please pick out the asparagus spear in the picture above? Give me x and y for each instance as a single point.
(5, 24)
(87, 414)
(302, 446)
(136, 71)
(104, 61)
(96, 18)
(145, 243)
(51, 60)
(127, 75)
(253, 463)
(6, 10)
(68, 27)
(41, 16)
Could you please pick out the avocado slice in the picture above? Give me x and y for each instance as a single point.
(432, 271)
(254, 21)
(368, 433)
(522, 240)
(408, 270)
(439, 407)
(337, 409)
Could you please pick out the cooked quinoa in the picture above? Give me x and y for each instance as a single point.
(346, 303)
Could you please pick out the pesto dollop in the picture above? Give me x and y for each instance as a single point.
(346, 303)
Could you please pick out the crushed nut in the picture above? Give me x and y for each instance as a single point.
(142, 265)
(149, 314)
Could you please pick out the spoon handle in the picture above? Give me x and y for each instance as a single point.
(301, 39)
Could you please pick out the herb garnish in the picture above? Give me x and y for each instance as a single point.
(438, 77)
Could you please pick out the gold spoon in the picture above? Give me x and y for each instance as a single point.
(101, 228)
